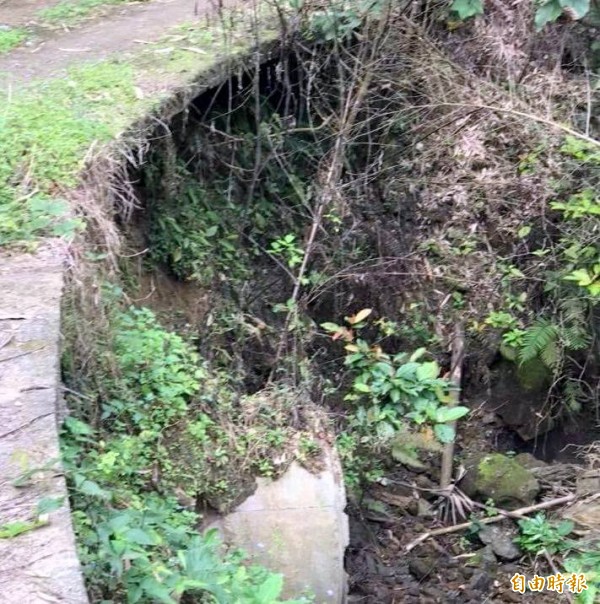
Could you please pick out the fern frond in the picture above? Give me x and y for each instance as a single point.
(575, 337)
(573, 311)
(551, 354)
(540, 336)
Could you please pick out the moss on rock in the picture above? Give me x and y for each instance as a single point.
(504, 480)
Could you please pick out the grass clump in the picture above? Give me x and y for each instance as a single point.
(45, 133)
(71, 12)
(11, 38)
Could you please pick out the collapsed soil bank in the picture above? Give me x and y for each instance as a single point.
(225, 207)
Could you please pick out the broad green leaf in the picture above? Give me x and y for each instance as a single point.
(523, 231)
(89, 487)
(270, 590)
(428, 371)
(406, 456)
(417, 354)
(450, 414)
(547, 13)
(467, 8)
(360, 387)
(139, 537)
(157, 591)
(76, 426)
(565, 527)
(49, 504)
(444, 432)
(580, 7)
(330, 326)
(384, 368)
(580, 275)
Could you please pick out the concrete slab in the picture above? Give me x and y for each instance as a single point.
(39, 566)
(296, 525)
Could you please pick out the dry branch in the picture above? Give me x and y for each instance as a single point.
(505, 514)
(458, 353)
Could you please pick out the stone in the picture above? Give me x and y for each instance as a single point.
(483, 558)
(519, 395)
(422, 567)
(588, 483)
(296, 526)
(501, 541)
(586, 514)
(480, 581)
(529, 461)
(501, 478)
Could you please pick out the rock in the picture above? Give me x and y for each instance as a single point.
(488, 418)
(527, 460)
(296, 525)
(480, 581)
(421, 568)
(588, 483)
(433, 592)
(519, 395)
(483, 558)
(501, 542)
(585, 514)
(502, 479)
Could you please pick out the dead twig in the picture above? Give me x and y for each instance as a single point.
(514, 514)
(458, 353)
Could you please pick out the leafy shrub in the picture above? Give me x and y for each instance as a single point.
(158, 373)
(538, 534)
(136, 541)
(191, 235)
(587, 563)
(400, 403)
(547, 11)
(388, 389)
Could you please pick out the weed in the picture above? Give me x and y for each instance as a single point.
(44, 135)
(191, 233)
(11, 38)
(587, 563)
(71, 12)
(538, 534)
(288, 249)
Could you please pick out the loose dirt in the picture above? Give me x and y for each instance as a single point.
(115, 35)
(18, 13)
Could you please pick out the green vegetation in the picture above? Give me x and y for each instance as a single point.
(11, 38)
(45, 133)
(390, 396)
(547, 11)
(71, 12)
(538, 535)
(561, 332)
(159, 444)
(47, 128)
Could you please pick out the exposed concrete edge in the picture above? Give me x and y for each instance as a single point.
(40, 565)
(297, 526)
